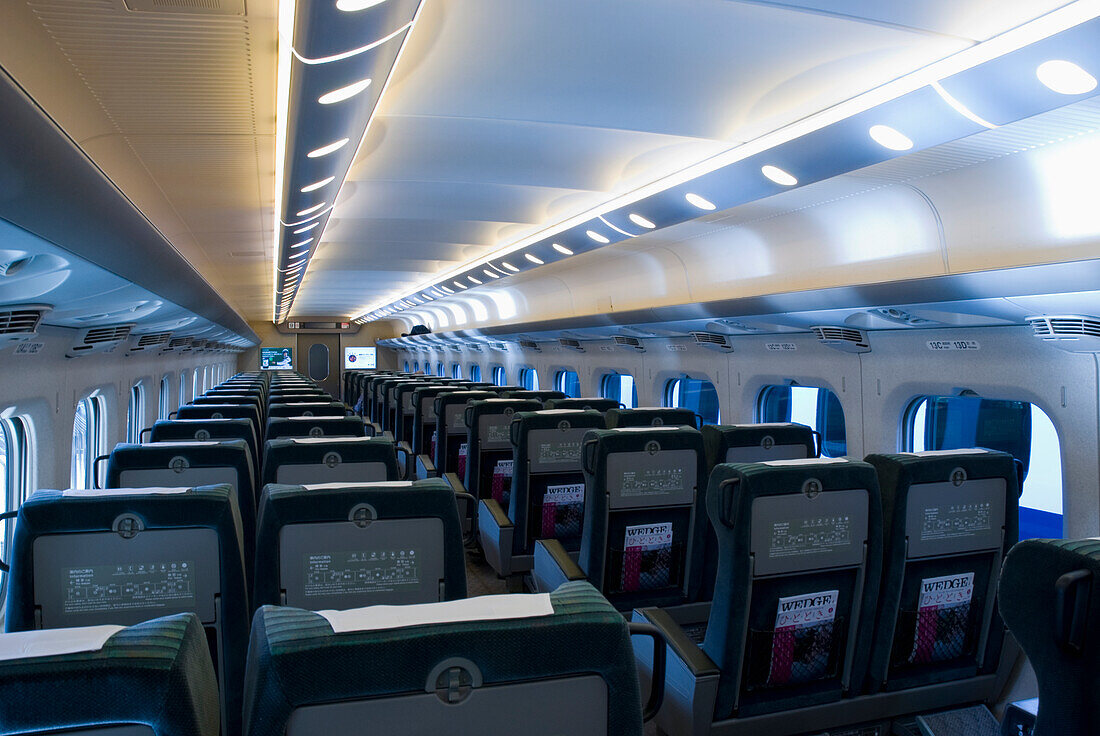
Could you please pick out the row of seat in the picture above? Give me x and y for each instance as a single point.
(487, 665)
(626, 505)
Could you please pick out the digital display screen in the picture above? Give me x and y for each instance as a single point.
(119, 587)
(360, 358)
(374, 571)
(277, 359)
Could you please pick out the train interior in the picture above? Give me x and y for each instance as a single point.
(617, 367)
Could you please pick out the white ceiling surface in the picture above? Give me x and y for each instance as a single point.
(508, 116)
(177, 108)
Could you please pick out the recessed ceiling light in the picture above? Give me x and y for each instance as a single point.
(304, 243)
(509, 266)
(306, 229)
(461, 285)
(490, 274)
(1065, 77)
(641, 221)
(317, 184)
(344, 93)
(533, 259)
(310, 210)
(562, 249)
(475, 281)
(350, 6)
(330, 148)
(598, 237)
(778, 175)
(700, 202)
(888, 137)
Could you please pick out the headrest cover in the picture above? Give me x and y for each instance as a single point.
(481, 608)
(54, 642)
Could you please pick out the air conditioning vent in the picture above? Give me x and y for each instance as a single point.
(901, 317)
(630, 343)
(148, 342)
(500, 347)
(178, 344)
(99, 340)
(473, 347)
(571, 344)
(530, 345)
(713, 341)
(20, 323)
(845, 339)
(1069, 332)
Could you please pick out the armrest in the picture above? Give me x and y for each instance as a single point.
(404, 452)
(455, 482)
(553, 566)
(428, 464)
(687, 651)
(496, 512)
(377, 428)
(496, 533)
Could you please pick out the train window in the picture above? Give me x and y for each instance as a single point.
(416, 366)
(475, 373)
(499, 378)
(163, 405)
(456, 371)
(427, 368)
(620, 387)
(1016, 427)
(135, 413)
(817, 408)
(699, 395)
(406, 366)
(15, 465)
(88, 434)
(196, 384)
(439, 370)
(568, 383)
(529, 379)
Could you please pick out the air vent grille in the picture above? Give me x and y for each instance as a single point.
(179, 343)
(97, 335)
(1070, 332)
(571, 344)
(630, 343)
(500, 347)
(713, 341)
(20, 322)
(530, 345)
(847, 339)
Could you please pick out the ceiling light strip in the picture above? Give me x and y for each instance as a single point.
(1048, 25)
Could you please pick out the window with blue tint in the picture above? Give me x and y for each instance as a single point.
(475, 373)
(499, 379)
(406, 366)
(164, 407)
(698, 395)
(456, 371)
(416, 366)
(182, 398)
(439, 370)
(569, 383)
(817, 408)
(1016, 427)
(529, 379)
(620, 387)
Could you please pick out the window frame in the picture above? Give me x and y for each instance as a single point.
(525, 373)
(561, 376)
(475, 372)
(605, 384)
(164, 400)
(674, 392)
(17, 440)
(135, 413)
(499, 376)
(95, 433)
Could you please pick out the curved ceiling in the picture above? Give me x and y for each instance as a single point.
(505, 117)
